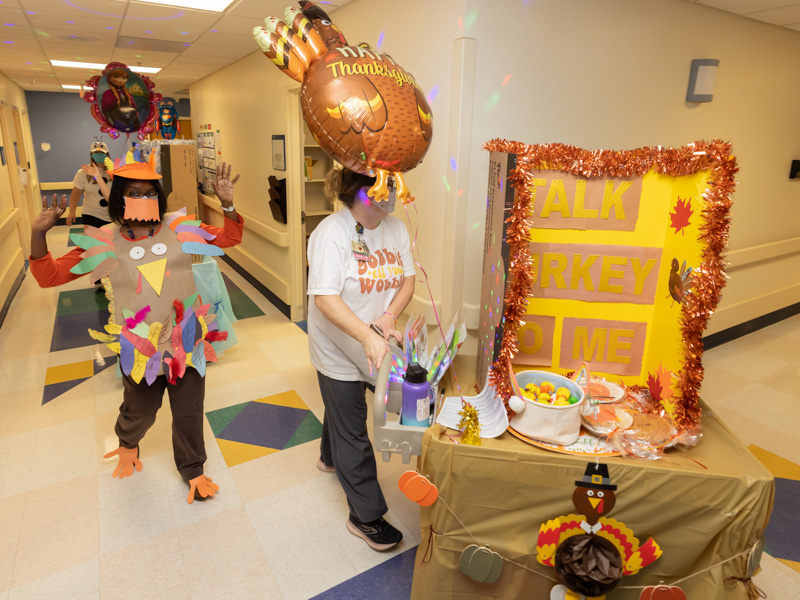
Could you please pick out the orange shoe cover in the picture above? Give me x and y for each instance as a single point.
(128, 461)
(203, 486)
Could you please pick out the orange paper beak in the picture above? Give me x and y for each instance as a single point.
(141, 209)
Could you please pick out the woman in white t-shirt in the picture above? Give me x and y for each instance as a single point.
(91, 182)
(360, 275)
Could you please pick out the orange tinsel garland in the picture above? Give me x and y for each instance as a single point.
(708, 279)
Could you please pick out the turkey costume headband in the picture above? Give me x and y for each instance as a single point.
(363, 108)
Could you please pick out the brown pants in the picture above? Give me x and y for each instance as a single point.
(138, 413)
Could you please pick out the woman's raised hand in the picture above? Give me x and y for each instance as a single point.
(50, 214)
(91, 170)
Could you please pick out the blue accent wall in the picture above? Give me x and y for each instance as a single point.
(64, 121)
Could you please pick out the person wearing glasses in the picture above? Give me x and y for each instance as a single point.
(158, 325)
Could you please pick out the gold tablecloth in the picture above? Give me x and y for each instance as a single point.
(702, 506)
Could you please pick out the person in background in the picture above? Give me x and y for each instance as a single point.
(158, 324)
(360, 280)
(91, 181)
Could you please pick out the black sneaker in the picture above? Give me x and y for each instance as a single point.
(379, 534)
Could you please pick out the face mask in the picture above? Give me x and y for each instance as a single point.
(99, 157)
(387, 206)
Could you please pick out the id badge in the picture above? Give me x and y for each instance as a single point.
(360, 250)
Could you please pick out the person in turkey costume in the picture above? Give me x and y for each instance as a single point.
(158, 324)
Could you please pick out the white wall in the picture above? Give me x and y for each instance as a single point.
(610, 74)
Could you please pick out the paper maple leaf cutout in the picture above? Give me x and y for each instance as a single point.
(660, 384)
(680, 218)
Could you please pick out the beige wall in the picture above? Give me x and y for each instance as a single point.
(248, 102)
(12, 219)
(610, 74)
(613, 74)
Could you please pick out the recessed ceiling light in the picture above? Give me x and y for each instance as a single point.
(101, 66)
(213, 5)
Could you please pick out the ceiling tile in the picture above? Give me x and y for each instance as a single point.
(97, 55)
(237, 25)
(196, 59)
(795, 26)
(785, 15)
(259, 9)
(147, 30)
(168, 16)
(220, 51)
(98, 8)
(741, 7)
(65, 36)
(242, 40)
(11, 3)
(81, 23)
(148, 59)
(12, 15)
(7, 43)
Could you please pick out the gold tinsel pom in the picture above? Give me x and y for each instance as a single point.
(469, 426)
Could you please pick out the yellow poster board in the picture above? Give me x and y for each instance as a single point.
(612, 253)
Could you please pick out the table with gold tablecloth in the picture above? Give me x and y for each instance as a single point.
(702, 506)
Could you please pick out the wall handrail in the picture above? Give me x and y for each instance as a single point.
(276, 236)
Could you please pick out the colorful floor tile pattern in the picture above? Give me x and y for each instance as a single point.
(253, 429)
(784, 524)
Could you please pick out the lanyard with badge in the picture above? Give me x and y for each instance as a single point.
(360, 248)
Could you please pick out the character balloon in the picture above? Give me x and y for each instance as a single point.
(123, 101)
(167, 123)
(363, 108)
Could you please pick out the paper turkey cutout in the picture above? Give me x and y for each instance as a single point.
(363, 108)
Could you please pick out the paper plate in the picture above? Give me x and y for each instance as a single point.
(586, 445)
(607, 392)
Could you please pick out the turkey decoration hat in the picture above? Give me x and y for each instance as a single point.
(135, 166)
(596, 476)
(362, 107)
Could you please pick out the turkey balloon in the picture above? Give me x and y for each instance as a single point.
(123, 101)
(362, 107)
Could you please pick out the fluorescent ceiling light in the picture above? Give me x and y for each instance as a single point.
(100, 66)
(212, 5)
(75, 87)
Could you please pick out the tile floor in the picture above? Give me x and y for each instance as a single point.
(276, 530)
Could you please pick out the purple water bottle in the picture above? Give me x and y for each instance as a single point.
(416, 397)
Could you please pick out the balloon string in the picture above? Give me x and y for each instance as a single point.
(418, 262)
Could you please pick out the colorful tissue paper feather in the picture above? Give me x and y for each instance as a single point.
(137, 318)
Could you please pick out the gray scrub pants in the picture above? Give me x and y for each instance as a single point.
(345, 445)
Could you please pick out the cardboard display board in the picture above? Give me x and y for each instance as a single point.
(177, 163)
(613, 260)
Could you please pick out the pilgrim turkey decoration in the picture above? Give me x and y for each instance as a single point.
(363, 108)
(591, 552)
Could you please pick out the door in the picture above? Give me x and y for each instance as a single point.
(13, 163)
(25, 169)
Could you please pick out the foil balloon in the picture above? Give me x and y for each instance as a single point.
(167, 124)
(362, 107)
(123, 101)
